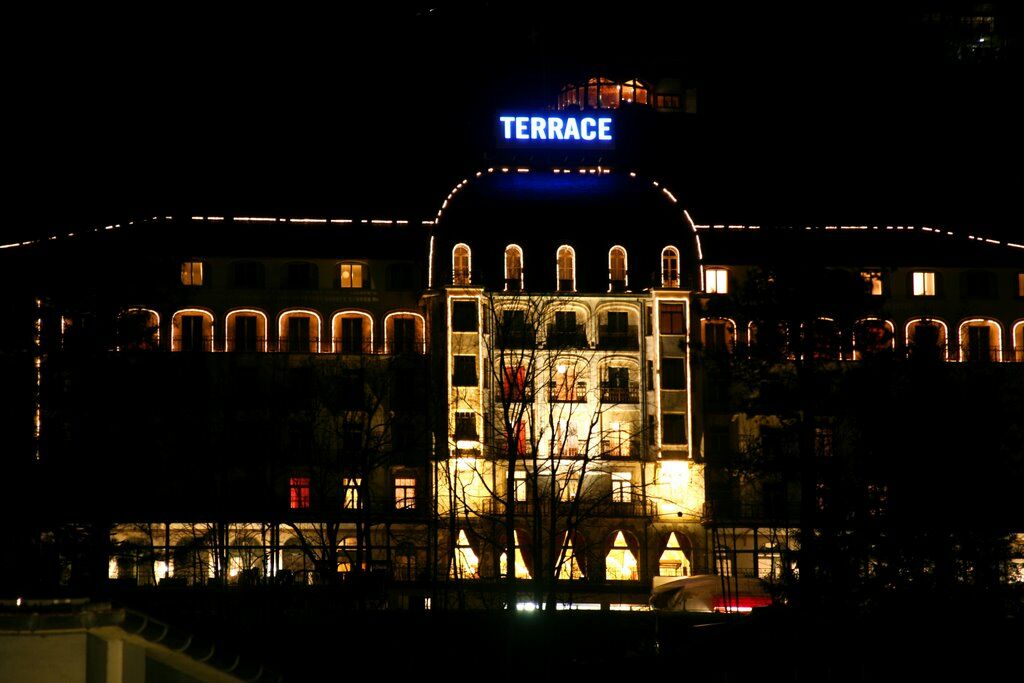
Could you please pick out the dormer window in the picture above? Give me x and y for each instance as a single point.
(716, 281)
(513, 268)
(461, 264)
(670, 267)
(617, 269)
(566, 269)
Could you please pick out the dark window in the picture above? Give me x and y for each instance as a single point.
(352, 436)
(350, 390)
(465, 426)
(673, 428)
(192, 333)
(673, 319)
(403, 389)
(979, 284)
(618, 322)
(464, 371)
(673, 373)
(245, 333)
(618, 378)
(716, 337)
(298, 334)
(650, 374)
(979, 343)
(300, 442)
(403, 335)
(401, 277)
(248, 275)
(565, 321)
(926, 341)
(301, 276)
(352, 336)
(464, 316)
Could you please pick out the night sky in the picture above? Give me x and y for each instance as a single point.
(850, 115)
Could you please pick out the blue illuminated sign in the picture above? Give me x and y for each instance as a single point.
(556, 130)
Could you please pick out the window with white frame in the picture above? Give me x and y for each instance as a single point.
(405, 493)
(670, 267)
(566, 269)
(923, 283)
(716, 281)
(461, 265)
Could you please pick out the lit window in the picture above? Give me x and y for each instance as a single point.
(192, 273)
(672, 318)
(465, 563)
(566, 269)
(924, 283)
(519, 481)
(405, 493)
(622, 487)
(716, 281)
(568, 565)
(298, 488)
(620, 563)
(513, 383)
(673, 561)
(461, 265)
(872, 281)
(350, 493)
(670, 267)
(1020, 284)
(566, 439)
(513, 268)
(568, 487)
(353, 275)
(564, 387)
(522, 571)
(617, 269)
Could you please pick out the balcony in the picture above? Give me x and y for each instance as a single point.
(351, 347)
(573, 393)
(567, 337)
(617, 338)
(750, 511)
(399, 346)
(245, 344)
(628, 394)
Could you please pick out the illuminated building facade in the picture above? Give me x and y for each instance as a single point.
(518, 398)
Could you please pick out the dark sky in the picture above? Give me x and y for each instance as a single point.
(858, 113)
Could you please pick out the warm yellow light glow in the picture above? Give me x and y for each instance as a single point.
(568, 566)
(465, 564)
(314, 333)
(261, 328)
(419, 328)
(336, 340)
(995, 341)
(207, 337)
(673, 561)
(620, 563)
(924, 283)
(521, 571)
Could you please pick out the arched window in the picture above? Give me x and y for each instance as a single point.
(719, 336)
(670, 267)
(192, 330)
(1018, 341)
(522, 567)
(513, 268)
(245, 329)
(569, 567)
(675, 560)
(566, 269)
(465, 562)
(926, 339)
(298, 331)
(404, 333)
(620, 563)
(872, 336)
(138, 329)
(352, 332)
(981, 339)
(617, 269)
(461, 263)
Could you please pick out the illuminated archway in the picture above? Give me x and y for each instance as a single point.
(352, 332)
(295, 338)
(981, 339)
(620, 563)
(241, 337)
(189, 335)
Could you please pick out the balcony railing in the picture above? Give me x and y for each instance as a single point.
(630, 394)
(354, 347)
(988, 354)
(301, 345)
(743, 510)
(617, 338)
(192, 343)
(245, 344)
(405, 346)
(567, 337)
(561, 393)
(591, 508)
